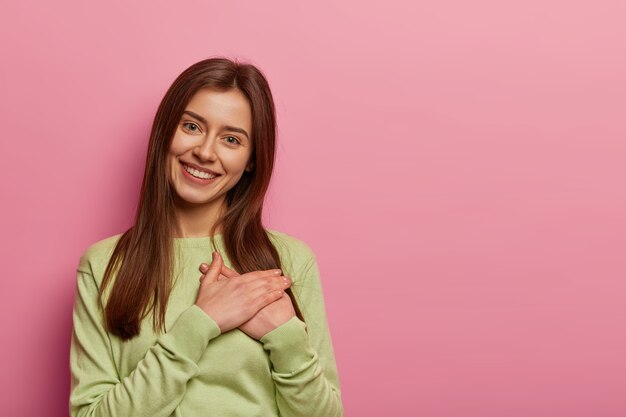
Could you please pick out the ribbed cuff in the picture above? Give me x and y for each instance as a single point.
(190, 334)
(289, 346)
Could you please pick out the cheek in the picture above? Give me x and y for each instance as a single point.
(170, 170)
(234, 162)
(176, 146)
(171, 161)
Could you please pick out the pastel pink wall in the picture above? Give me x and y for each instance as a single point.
(457, 166)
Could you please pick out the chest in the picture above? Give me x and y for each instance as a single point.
(228, 357)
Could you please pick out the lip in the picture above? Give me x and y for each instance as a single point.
(191, 178)
(208, 171)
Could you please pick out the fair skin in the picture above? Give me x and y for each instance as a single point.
(268, 317)
(213, 136)
(210, 151)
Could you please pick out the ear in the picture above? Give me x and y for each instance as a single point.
(250, 167)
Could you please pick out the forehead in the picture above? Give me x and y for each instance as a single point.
(222, 107)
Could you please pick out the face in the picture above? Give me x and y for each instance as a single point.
(211, 147)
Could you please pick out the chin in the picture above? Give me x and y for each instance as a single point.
(195, 199)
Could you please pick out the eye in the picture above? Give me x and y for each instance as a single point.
(191, 127)
(234, 140)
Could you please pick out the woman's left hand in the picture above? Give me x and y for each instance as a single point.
(266, 319)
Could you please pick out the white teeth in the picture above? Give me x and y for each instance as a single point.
(197, 173)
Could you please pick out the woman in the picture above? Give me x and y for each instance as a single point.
(248, 337)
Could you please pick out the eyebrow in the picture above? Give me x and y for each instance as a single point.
(229, 128)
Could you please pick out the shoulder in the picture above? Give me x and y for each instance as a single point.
(291, 248)
(96, 257)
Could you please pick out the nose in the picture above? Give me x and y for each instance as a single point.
(205, 150)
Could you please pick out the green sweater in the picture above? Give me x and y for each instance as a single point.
(194, 370)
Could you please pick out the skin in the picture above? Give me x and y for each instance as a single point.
(203, 138)
(215, 133)
(271, 315)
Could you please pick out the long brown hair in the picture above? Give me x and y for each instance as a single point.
(143, 256)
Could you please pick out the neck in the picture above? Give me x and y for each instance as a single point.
(195, 220)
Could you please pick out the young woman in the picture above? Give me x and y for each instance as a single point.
(246, 335)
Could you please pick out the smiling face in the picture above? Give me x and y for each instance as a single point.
(211, 147)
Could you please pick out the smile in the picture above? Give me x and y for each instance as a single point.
(198, 174)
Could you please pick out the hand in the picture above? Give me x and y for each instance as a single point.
(231, 302)
(267, 318)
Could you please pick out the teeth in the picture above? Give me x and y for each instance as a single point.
(197, 173)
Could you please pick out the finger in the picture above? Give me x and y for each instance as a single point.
(222, 277)
(229, 272)
(270, 284)
(214, 269)
(254, 275)
(201, 278)
(265, 298)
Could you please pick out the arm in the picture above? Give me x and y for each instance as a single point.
(304, 368)
(156, 386)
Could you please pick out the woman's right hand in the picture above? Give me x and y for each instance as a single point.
(231, 302)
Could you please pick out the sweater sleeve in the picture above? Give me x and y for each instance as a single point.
(303, 363)
(156, 386)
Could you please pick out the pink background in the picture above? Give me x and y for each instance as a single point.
(458, 167)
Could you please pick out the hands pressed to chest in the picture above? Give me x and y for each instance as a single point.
(255, 302)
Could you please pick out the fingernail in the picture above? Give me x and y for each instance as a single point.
(277, 271)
